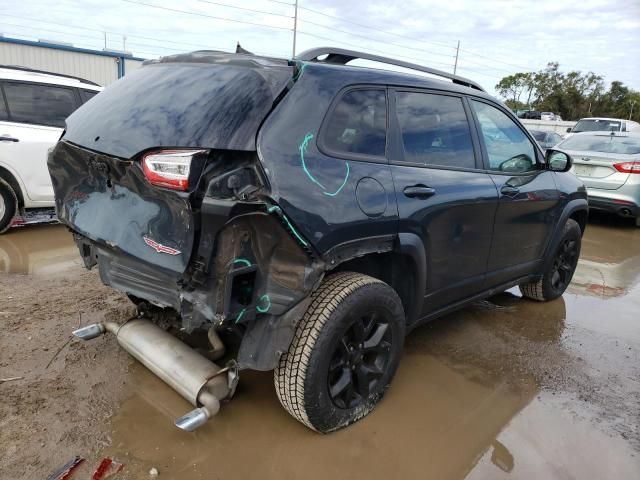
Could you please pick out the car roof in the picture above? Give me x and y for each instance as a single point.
(605, 118)
(372, 75)
(608, 133)
(24, 74)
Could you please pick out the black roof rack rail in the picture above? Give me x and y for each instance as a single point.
(341, 56)
(27, 69)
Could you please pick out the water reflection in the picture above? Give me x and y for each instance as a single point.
(37, 250)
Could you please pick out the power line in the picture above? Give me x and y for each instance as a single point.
(379, 41)
(421, 60)
(375, 28)
(198, 14)
(246, 9)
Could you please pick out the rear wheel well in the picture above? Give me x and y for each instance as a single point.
(393, 268)
(580, 216)
(10, 179)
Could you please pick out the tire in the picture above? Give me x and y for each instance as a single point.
(638, 221)
(8, 205)
(309, 379)
(559, 273)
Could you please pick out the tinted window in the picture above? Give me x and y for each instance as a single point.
(538, 135)
(3, 107)
(40, 104)
(508, 148)
(87, 95)
(187, 104)
(435, 130)
(358, 124)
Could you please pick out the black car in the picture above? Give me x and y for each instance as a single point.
(545, 139)
(305, 215)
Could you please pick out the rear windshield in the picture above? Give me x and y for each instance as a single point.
(596, 126)
(603, 144)
(178, 105)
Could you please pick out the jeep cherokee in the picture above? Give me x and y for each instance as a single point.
(303, 216)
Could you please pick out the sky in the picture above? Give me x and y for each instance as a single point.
(497, 37)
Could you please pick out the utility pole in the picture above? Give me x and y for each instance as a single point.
(295, 29)
(124, 43)
(105, 40)
(455, 66)
(631, 112)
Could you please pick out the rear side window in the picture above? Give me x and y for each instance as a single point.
(87, 95)
(39, 104)
(3, 107)
(358, 124)
(435, 130)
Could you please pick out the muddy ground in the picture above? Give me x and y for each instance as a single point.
(506, 388)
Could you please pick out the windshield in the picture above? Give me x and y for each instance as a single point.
(596, 125)
(603, 144)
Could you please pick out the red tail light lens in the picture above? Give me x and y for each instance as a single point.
(628, 167)
(169, 168)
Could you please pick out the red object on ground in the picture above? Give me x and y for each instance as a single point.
(107, 467)
(65, 471)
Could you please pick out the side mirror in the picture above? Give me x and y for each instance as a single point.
(558, 161)
(569, 130)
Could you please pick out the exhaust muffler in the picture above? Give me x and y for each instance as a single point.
(200, 381)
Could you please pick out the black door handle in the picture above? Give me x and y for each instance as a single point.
(509, 190)
(8, 138)
(419, 191)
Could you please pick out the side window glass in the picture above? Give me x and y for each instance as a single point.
(87, 95)
(358, 123)
(509, 149)
(3, 108)
(39, 104)
(435, 130)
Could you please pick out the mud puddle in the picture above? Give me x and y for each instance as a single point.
(38, 249)
(507, 388)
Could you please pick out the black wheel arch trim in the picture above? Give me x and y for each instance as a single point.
(573, 206)
(412, 246)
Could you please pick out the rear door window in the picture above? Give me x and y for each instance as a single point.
(358, 124)
(435, 130)
(3, 107)
(87, 95)
(39, 104)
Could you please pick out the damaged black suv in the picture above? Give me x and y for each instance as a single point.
(303, 216)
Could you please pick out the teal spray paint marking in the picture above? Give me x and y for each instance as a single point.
(284, 217)
(303, 149)
(301, 67)
(244, 261)
(264, 298)
(239, 317)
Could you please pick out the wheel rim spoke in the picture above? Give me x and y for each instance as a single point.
(360, 360)
(376, 337)
(342, 384)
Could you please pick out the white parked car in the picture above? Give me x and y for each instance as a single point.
(549, 116)
(33, 108)
(603, 124)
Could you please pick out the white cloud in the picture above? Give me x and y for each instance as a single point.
(498, 37)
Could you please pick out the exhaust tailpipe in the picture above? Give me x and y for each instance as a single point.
(200, 381)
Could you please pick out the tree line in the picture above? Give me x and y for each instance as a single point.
(573, 95)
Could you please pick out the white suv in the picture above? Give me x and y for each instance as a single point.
(33, 108)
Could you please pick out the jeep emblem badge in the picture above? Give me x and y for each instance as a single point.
(158, 247)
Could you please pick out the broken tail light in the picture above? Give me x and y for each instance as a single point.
(628, 167)
(169, 168)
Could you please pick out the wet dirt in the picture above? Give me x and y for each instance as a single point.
(506, 388)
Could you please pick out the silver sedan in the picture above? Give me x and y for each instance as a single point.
(609, 165)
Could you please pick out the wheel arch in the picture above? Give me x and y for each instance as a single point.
(403, 268)
(578, 210)
(10, 178)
